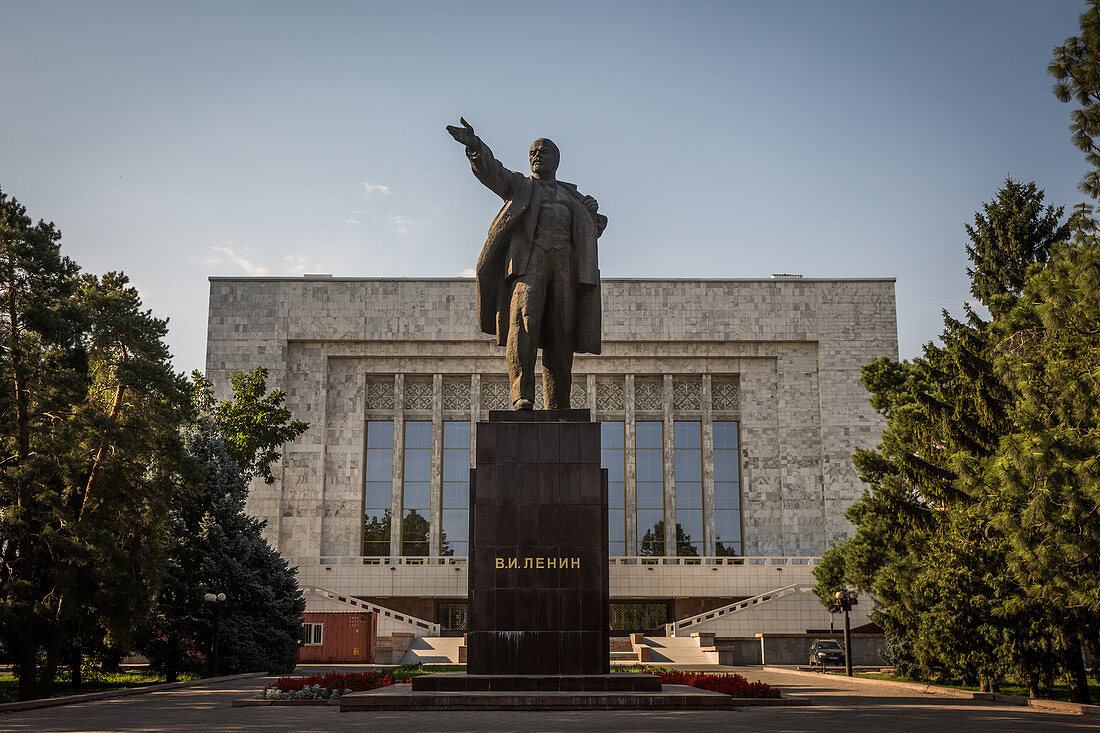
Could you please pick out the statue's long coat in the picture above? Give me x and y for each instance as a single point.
(508, 247)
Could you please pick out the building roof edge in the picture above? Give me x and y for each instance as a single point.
(249, 278)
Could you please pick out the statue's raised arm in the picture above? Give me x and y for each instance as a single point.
(538, 276)
(488, 169)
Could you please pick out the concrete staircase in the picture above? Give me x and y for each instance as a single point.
(678, 650)
(323, 599)
(435, 650)
(683, 626)
(623, 651)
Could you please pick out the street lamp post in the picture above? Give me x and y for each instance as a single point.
(844, 599)
(217, 600)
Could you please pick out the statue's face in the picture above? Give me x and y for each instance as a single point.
(544, 156)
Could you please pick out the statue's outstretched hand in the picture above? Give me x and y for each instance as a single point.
(464, 134)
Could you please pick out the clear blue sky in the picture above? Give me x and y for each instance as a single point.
(722, 139)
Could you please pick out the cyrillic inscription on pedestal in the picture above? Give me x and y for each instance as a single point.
(538, 577)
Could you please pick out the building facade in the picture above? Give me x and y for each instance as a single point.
(729, 412)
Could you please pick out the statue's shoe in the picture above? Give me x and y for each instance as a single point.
(523, 405)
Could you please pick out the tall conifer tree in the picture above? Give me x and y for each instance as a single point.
(91, 411)
(1049, 466)
(925, 543)
(218, 548)
(1076, 67)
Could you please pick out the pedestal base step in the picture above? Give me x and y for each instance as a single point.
(458, 682)
(403, 697)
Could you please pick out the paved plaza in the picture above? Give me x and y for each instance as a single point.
(837, 705)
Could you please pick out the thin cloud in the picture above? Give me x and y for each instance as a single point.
(357, 216)
(238, 258)
(468, 272)
(373, 188)
(299, 264)
(402, 224)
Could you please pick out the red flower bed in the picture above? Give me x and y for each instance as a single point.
(730, 684)
(354, 681)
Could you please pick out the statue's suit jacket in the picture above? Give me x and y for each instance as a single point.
(508, 247)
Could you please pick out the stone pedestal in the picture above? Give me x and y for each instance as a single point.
(538, 575)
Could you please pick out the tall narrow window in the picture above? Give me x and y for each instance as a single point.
(650, 474)
(687, 440)
(378, 488)
(416, 492)
(456, 489)
(727, 490)
(612, 457)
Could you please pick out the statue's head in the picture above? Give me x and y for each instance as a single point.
(544, 157)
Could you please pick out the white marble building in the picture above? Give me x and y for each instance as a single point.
(731, 409)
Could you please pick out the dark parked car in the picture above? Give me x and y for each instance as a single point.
(825, 652)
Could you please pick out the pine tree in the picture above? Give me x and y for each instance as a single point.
(41, 366)
(91, 413)
(1050, 464)
(1009, 235)
(1076, 66)
(925, 542)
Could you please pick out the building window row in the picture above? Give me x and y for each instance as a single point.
(417, 488)
(649, 473)
(613, 458)
(659, 495)
(455, 535)
(378, 488)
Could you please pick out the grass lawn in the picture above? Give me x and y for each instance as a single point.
(9, 686)
(1010, 687)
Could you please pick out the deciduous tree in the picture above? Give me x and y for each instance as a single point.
(254, 424)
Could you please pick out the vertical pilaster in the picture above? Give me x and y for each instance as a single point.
(475, 414)
(630, 469)
(669, 451)
(435, 500)
(398, 463)
(708, 469)
(318, 537)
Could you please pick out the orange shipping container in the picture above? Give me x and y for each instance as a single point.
(332, 636)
